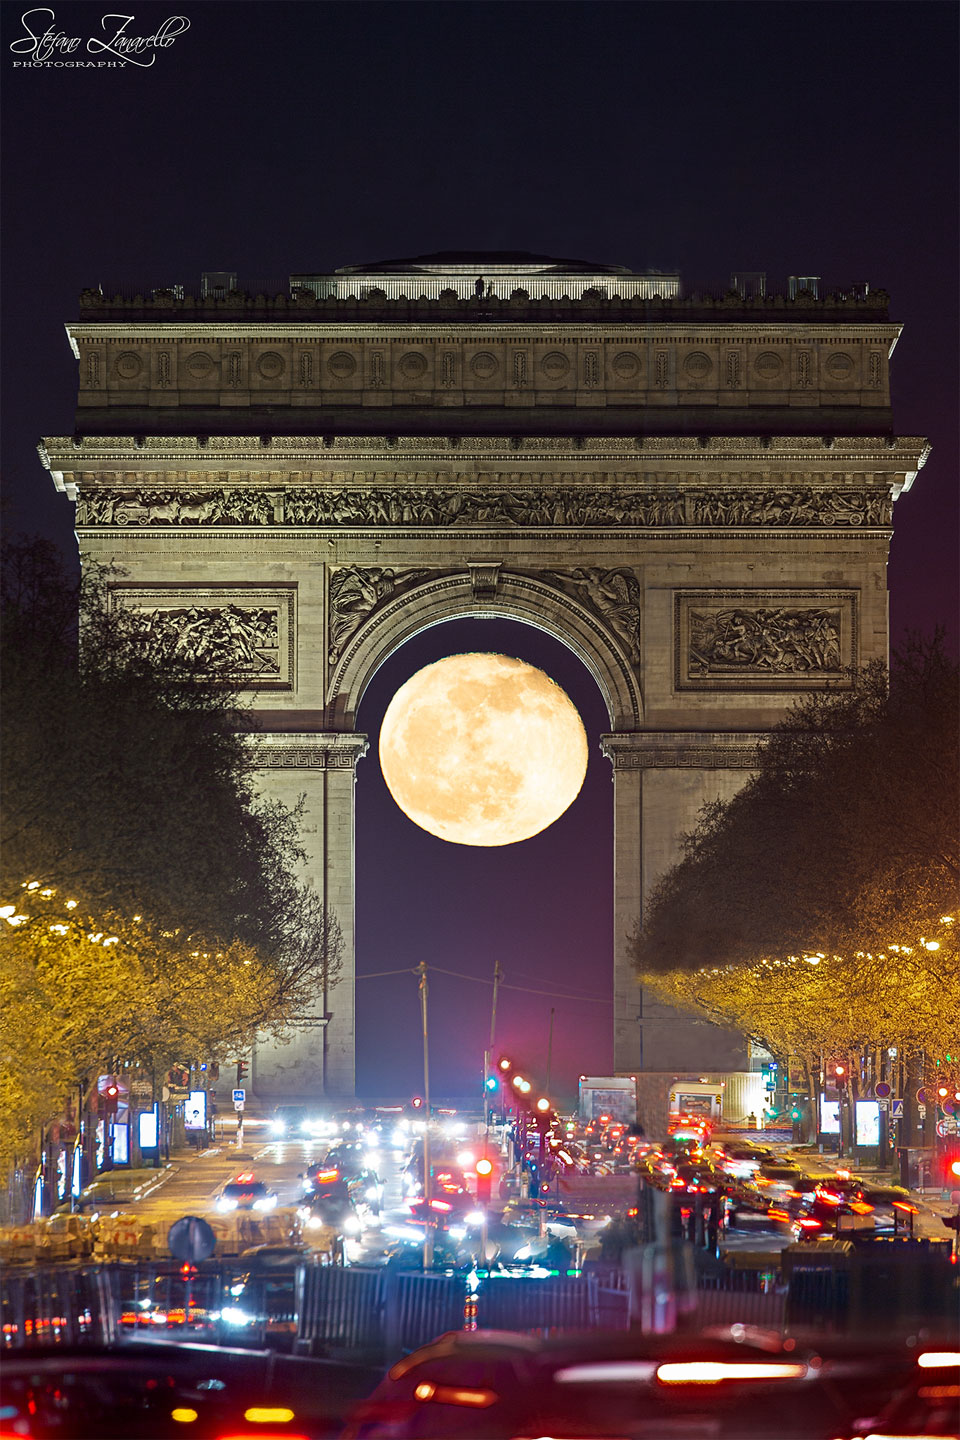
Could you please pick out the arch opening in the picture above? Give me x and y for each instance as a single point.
(542, 907)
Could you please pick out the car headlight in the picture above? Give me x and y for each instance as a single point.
(266, 1202)
(457, 1232)
(233, 1315)
(278, 1127)
(351, 1225)
(474, 1218)
(223, 1204)
(372, 1192)
(315, 1223)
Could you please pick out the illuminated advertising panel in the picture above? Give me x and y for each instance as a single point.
(148, 1134)
(829, 1116)
(121, 1144)
(868, 1122)
(195, 1111)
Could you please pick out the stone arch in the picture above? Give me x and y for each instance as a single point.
(511, 597)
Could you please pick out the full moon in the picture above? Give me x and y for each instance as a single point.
(482, 750)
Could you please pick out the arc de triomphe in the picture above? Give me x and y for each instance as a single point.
(695, 495)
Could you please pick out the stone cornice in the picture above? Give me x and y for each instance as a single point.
(639, 333)
(696, 750)
(331, 750)
(64, 452)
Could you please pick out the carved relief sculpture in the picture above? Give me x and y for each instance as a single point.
(440, 506)
(731, 642)
(355, 592)
(614, 596)
(248, 643)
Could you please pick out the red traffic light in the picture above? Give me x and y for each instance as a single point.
(112, 1091)
(417, 1102)
(484, 1167)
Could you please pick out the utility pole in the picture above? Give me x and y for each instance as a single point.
(488, 1056)
(428, 1234)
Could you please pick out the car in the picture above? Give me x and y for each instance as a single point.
(245, 1192)
(927, 1406)
(732, 1384)
(297, 1122)
(830, 1214)
(343, 1171)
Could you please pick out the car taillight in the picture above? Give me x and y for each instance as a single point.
(712, 1372)
(811, 1225)
(455, 1395)
(259, 1434)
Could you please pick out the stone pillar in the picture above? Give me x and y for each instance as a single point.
(318, 1055)
(661, 780)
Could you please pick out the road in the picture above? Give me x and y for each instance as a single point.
(191, 1186)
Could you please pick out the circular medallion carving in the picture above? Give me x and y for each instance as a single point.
(768, 365)
(839, 366)
(200, 365)
(697, 366)
(484, 365)
(555, 365)
(129, 365)
(413, 365)
(341, 364)
(270, 365)
(626, 365)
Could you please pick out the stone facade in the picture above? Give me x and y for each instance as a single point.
(700, 508)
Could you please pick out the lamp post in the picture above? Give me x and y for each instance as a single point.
(428, 1236)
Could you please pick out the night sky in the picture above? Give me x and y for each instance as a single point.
(273, 139)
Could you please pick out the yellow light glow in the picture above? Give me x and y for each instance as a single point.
(183, 1414)
(71, 904)
(482, 750)
(425, 1391)
(268, 1415)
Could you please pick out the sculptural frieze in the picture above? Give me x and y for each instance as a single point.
(240, 642)
(442, 505)
(247, 635)
(749, 639)
(356, 591)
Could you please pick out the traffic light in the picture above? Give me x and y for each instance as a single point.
(242, 1071)
(484, 1178)
(796, 1113)
(110, 1098)
(417, 1102)
(491, 1083)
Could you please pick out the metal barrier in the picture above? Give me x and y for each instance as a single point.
(53, 1305)
(341, 1308)
(373, 1313)
(538, 1305)
(420, 1307)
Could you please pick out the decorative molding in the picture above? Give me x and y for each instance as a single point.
(484, 578)
(248, 635)
(751, 640)
(695, 750)
(520, 596)
(888, 453)
(320, 751)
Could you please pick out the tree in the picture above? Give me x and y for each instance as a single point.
(845, 838)
(152, 905)
(817, 909)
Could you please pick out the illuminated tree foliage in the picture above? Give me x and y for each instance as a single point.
(815, 910)
(128, 787)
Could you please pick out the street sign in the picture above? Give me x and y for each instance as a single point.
(896, 1108)
(239, 1095)
(881, 1090)
(921, 1095)
(238, 1105)
(191, 1239)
